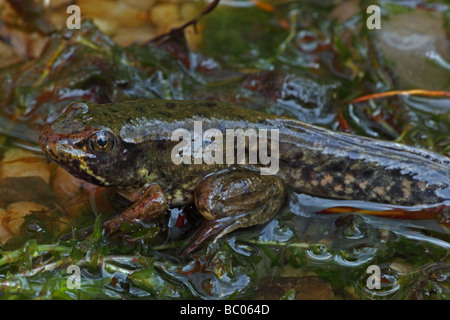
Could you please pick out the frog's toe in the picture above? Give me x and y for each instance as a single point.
(112, 226)
(209, 230)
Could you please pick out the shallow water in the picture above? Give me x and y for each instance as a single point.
(309, 70)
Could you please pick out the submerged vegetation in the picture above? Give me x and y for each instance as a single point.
(312, 60)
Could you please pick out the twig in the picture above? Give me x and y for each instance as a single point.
(175, 31)
(419, 92)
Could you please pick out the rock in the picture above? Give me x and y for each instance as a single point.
(165, 15)
(4, 232)
(122, 13)
(16, 212)
(143, 5)
(33, 189)
(65, 185)
(23, 163)
(416, 43)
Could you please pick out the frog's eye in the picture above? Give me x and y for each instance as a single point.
(101, 141)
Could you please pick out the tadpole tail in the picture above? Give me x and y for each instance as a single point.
(334, 165)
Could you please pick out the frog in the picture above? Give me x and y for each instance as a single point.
(129, 146)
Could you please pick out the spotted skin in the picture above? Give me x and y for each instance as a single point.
(341, 166)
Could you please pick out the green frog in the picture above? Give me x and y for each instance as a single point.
(130, 146)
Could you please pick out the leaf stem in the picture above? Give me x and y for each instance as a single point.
(418, 92)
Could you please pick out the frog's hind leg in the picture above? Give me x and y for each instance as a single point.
(233, 199)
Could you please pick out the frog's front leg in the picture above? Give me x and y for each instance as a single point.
(232, 199)
(151, 202)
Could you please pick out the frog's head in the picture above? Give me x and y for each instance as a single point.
(83, 141)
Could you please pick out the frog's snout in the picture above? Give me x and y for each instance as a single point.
(47, 140)
(51, 143)
(53, 139)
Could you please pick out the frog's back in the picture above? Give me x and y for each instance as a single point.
(138, 120)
